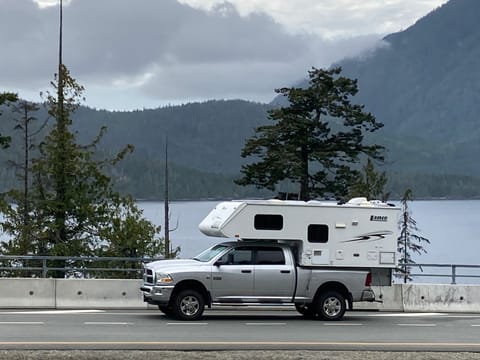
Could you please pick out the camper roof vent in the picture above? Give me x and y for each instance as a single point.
(359, 201)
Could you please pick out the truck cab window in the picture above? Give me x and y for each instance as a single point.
(317, 233)
(270, 256)
(238, 256)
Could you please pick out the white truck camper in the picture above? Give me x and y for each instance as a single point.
(359, 233)
(320, 257)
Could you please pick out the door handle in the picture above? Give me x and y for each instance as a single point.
(285, 271)
(246, 271)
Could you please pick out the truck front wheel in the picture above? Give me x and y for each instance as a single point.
(305, 310)
(331, 305)
(188, 305)
(166, 310)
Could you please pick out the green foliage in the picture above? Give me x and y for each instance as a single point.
(409, 241)
(6, 98)
(72, 208)
(315, 140)
(370, 184)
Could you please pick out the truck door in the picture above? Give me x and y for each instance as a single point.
(274, 278)
(232, 276)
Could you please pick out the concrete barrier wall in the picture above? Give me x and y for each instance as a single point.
(425, 298)
(27, 293)
(125, 294)
(451, 298)
(101, 293)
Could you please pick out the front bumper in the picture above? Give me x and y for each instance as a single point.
(157, 295)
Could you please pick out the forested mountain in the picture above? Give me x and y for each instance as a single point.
(422, 83)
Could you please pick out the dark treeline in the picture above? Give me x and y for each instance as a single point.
(205, 142)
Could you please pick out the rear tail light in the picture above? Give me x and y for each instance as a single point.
(368, 279)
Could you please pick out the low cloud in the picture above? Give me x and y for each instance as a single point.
(164, 51)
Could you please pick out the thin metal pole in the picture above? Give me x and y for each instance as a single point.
(167, 210)
(454, 274)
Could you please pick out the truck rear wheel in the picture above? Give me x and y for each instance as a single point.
(331, 305)
(188, 305)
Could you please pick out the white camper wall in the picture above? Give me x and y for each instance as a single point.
(362, 234)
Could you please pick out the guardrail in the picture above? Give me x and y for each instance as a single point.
(453, 271)
(72, 267)
(131, 267)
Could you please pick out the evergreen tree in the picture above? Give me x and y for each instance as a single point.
(409, 241)
(73, 208)
(22, 201)
(6, 98)
(313, 142)
(370, 184)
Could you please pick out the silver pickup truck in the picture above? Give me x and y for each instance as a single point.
(252, 272)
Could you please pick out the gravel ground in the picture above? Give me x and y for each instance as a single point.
(232, 355)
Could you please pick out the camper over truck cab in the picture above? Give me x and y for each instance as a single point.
(359, 233)
(320, 257)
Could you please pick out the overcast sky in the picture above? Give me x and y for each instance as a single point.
(134, 54)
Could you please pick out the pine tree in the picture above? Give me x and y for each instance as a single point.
(73, 209)
(6, 98)
(409, 241)
(315, 141)
(370, 184)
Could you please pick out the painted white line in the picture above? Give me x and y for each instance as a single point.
(475, 325)
(22, 323)
(265, 324)
(52, 312)
(400, 314)
(418, 325)
(106, 323)
(342, 324)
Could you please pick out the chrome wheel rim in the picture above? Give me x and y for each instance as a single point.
(332, 306)
(189, 305)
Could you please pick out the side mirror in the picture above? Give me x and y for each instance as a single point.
(218, 263)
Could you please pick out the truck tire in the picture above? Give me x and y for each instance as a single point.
(306, 310)
(188, 305)
(167, 310)
(331, 305)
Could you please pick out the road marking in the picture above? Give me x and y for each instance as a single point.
(265, 324)
(54, 312)
(400, 314)
(418, 325)
(22, 323)
(476, 325)
(106, 323)
(342, 324)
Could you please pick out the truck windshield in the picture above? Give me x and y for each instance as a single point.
(209, 254)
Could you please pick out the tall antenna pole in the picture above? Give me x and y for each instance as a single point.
(60, 38)
(167, 211)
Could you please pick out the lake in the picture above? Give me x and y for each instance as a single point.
(450, 225)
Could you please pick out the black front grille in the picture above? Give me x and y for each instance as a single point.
(148, 276)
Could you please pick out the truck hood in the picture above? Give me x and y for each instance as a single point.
(168, 265)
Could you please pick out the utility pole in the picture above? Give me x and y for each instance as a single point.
(167, 210)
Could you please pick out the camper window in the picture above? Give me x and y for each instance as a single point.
(268, 222)
(317, 233)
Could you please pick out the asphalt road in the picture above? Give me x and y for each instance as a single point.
(232, 330)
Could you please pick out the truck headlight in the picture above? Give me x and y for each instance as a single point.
(163, 278)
